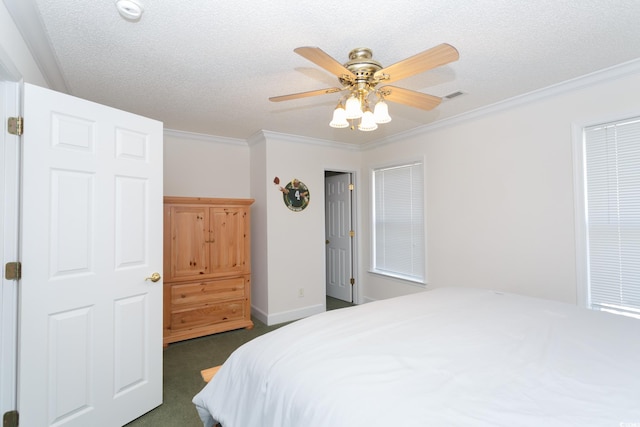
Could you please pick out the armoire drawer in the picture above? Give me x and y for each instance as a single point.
(207, 292)
(208, 315)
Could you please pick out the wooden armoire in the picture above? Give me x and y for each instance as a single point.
(207, 266)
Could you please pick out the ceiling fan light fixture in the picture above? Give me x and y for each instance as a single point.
(367, 123)
(381, 112)
(339, 119)
(353, 108)
(361, 74)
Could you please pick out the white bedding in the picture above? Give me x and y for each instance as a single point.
(447, 357)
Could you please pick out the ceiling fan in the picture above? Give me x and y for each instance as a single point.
(360, 77)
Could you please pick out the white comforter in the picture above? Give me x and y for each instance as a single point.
(447, 357)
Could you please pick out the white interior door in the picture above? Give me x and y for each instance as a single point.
(90, 336)
(338, 239)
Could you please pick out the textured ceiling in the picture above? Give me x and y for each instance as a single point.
(209, 67)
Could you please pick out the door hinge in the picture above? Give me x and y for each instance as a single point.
(352, 281)
(352, 233)
(10, 419)
(13, 270)
(351, 186)
(15, 125)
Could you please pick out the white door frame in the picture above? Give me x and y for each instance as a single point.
(354, 247)
(9, 225)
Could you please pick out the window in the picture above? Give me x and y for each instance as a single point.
(611, 178)
(398, 218)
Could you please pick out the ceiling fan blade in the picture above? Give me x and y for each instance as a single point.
(427, 60)
(410, 97)
(322, 59)
(305, 94)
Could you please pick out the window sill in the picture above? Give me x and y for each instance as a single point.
(403, 279)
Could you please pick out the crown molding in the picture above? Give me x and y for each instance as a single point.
(607, 74)
(203, 137)
(256, 138)
(27, 19)
(307, 140)
(260, 136)
(8, 70)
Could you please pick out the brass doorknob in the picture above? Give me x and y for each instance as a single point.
(154, 277)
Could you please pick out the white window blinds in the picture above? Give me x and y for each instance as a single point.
(398, 215)
(612, 160)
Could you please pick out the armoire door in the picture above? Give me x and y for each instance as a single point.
(190, 241)
(228, 250)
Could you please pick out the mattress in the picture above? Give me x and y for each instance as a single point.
(446, 357)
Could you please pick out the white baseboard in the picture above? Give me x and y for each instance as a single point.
(287, 316)
(259, 314)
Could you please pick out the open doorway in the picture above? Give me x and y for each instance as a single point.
(340, 239)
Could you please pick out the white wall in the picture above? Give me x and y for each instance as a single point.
(205, 166)
(287, 248)
(295, 241)
(259, 224)
(500, 211)
(499, 197)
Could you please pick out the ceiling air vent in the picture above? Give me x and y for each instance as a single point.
(453, 95)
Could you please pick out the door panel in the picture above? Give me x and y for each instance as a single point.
(227, 250)
(71, 223)
(130, 343)
(189, 247)
(90, 324)
(70, 379)
(130, 222)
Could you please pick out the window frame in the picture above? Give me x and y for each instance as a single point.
(420, 281)
(579, 129)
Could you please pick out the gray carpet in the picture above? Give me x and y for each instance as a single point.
(183, 362)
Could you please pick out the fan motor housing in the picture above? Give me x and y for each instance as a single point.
(361, 65)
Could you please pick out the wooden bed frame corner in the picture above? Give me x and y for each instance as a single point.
(207, 374)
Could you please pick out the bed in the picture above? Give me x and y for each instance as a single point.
(445, 357)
